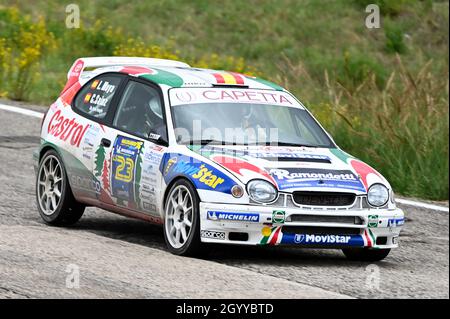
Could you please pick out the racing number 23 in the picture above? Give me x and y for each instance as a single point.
(124, 171)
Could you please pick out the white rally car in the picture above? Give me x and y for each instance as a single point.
(214, 156)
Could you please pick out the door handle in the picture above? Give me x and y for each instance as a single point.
(106, 143)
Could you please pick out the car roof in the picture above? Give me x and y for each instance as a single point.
(170, 73)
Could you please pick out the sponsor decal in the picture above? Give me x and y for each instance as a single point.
(271, 235)
(321, 239)
(153, 156)
(221, 95)
(212, 234)
(85, 183)
(169, 165)
(294, 155)
(149, 207)
(373, 221)
(124, 157)
(147, 179)
(204, 175)
(395, 222)
(89, 142)
(201, 174)
(154, 136)
(278, 216)
(308, 177)
(310, 239)
(243, 217)
(67, 130)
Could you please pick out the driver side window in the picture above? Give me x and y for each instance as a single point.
(140, 112)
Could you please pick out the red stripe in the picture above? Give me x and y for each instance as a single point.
(275, 237)
(239, 79)
(369, 242)
(219, 78)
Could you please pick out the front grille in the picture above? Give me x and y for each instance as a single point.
(305, 218)
(306, 230)
(323, 198)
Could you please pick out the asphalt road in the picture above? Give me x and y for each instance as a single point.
(117, 257)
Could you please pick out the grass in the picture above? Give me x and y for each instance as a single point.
(382, 93)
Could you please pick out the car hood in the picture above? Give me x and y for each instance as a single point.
(295, 168)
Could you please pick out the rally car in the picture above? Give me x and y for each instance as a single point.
(213, 156)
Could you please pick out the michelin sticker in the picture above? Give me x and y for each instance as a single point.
(243, 217)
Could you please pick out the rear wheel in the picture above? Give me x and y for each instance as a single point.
(182, 220)
(55, 200)
(365, 254)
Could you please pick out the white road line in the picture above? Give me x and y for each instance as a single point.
(398, 200)
(422, 205)
(21, 111)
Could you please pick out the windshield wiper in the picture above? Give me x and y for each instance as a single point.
(296, 144)
(204, 142)
(291, 144)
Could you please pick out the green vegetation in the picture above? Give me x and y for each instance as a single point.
(382, 93)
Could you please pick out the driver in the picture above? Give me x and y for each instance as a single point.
(253, 131)
(154, 119)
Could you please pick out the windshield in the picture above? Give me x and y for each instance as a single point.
(236, 120)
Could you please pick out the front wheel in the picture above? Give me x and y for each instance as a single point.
(182, 220)
(365, 254)
(55, 200)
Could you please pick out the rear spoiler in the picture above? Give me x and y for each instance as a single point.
(81, 64)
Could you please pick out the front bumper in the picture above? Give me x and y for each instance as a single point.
(322, 228)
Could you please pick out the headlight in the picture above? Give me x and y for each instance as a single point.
(378, 195)
(261, 191)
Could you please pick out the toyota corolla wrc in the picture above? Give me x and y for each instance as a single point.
(213, 156)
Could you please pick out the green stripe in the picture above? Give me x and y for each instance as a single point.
(268, 83)
(164, 77)
(343, 156)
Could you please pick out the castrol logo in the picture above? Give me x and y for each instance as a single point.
(66, 129)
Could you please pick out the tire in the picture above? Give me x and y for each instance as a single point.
(180, 212)
(365, 254)
(55, 201)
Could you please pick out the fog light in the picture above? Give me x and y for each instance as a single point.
(237, 191)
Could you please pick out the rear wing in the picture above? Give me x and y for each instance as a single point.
(82, 64)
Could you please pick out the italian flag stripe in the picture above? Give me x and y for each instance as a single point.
(369, 241)
(274, 239)
(372, 237)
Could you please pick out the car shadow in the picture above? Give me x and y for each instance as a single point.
(143, 233)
